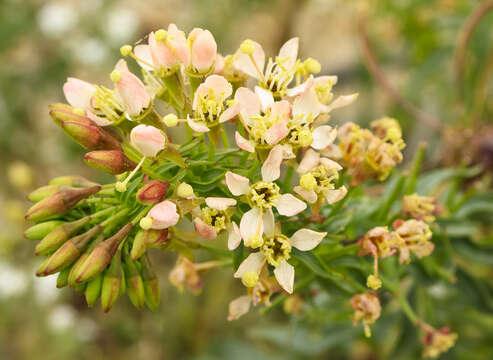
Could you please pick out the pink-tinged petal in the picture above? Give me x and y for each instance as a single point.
(333, 196)
(178, 43)
(245, 64)
(147, 139)
(265, 96)
(289, 51)
(78, 93)
(287, 152)
(306, 239)
(204, 50)
(98, 120)
(284, 274)
(289, 205)
(306, 104)
(331, 164)
(309, 161)
(234, 237)
(219, 64)
(271, 168)
(248, 100)
(163, 215)
(341, 101)
(251, 263)
(251, 224)
(276, 132)
(132, 91)
(333, 151)
(269, 223)
(219, 85)
(229, 113)
(143, 52)
(300, 89)
(281, 109)
(161, 54)
(204, 230)
(220, 203)
(237, 184)
(243, 143)
(323, 136)
(309, 196)
(195, 126)
(323, 80)
(239, 307)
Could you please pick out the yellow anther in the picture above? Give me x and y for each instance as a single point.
(170, 120)
(254, 241)
(161, 35)
(120, 186)
(249, 279)
(373, 282)
(145, 223)
(184, 190)
(305, 137)
(247, 47)
(125, 50)
(115, 76)
(308, 182)
(312, 66)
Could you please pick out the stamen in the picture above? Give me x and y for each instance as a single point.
(121, 186)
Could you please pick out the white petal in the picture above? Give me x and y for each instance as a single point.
(323, 136)
(204, 230)
(237, 184)
(98, 120)
(251, 263)
(219, 203)
(143, 52)
(308, 195)
(196, 126)
(333, 196)
(276, 132)
(306, 239)
(284, 274)
(309, 161)
(229, 113)
(248, 101)
(330, 164)
(300, 89)
(341, 101)
(265, 96)
(251, 224)
(271, 169)
(288, 205)
(269, 224)
(239, 307)
(234, 237)
(287, 152)
(289, 50)
(245, 64)
(305, 104)
(243, 143)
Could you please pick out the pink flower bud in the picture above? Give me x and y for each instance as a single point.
(152, 192)
(109, 161)
(147, 139)
(61, 113)
(91, 137)
(163, 215)
(204, 51)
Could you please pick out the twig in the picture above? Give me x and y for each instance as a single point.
(379, 75)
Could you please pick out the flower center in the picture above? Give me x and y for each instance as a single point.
(215, 218)
(210, 107)
(276, 249)
(324, 92)
(263, 194)
(106, 105)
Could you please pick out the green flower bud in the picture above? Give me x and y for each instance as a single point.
(58, 236)
(61, 113)
(112, 282)
(109, 161)
(146, 239)
(39, 231)
(62, 279)
(101, 256)
(93, 290)
(59, 202)
(91, 137)
(152, 192)
(72, 180)
(151, 284)
(135, 284)
(45, 191)
(74, 271)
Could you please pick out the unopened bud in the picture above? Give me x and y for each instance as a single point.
(91, 137)
(312, 66)
(68, 252)
(45, 191)
(109, 161)
(135, 284)
(184, 191)
(249, 278)
(39, 231)
(112, 283)
(72, 180)
(125, 50)
(146, 239)
(247, 47)
(151, 284)
(93, 290)
(61, 113)
(59, 202)
(101, 256)
(58, 236)
(62, 279)
(170, 120)
(152, 192)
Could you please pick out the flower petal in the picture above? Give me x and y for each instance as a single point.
(310, 160)
(289, 52)
(251, 263)
(230, 113)
(288, 205)
(245, 64)
(308, 195)
(251, 224)
(163, 215)
(306, 239)
(219, 203)
(204, 50)
(78, 93)
(219, 85)
(284, 274)
(237, 184)
(147, 139)
(204, 230)
(132, 90)
(243, 143)
(143, 52)
(323, 136)
(333, 196)
(98, 120)
(234, 237)
(265, 96)
(248, 101)
(195, 126)
(276, 133)
(305, 104)
(341, 101)
(239, 307)
(271, 169)
(331, 164)
(269, 223)
(300, 89)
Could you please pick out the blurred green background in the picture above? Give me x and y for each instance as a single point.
(404, 57)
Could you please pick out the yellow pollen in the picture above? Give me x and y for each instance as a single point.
(125, 50)
(115, 76)
(249, 279)
(161, 35)
(247, 47)
(308, 182)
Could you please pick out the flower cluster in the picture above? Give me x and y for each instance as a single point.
(266, 199)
